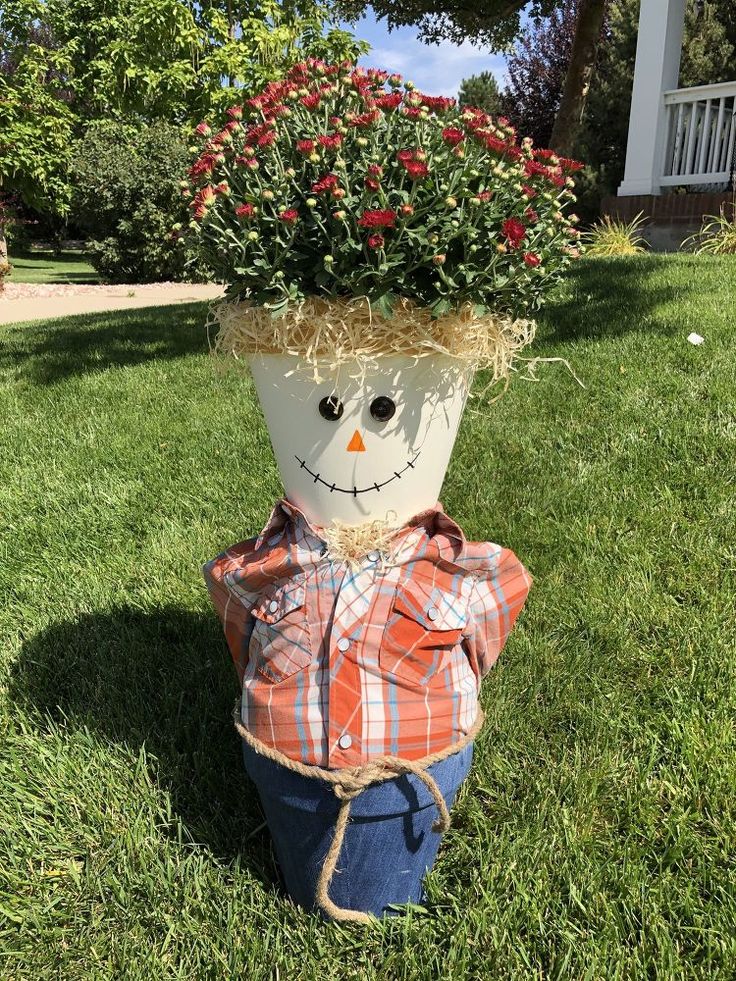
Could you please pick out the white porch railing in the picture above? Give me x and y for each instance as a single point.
(699, 141)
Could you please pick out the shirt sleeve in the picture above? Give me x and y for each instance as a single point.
(234, 605)
(496, 599)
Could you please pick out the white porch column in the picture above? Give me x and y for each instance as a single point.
(657, 69)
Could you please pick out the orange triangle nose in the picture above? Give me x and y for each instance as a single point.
(356, 444)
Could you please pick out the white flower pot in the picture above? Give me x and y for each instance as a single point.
(358, 468)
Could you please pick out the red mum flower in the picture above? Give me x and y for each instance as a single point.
(389, 102)
(453, 135)
(532, 259)
(375, 170)
(235, 112)
(204, 197)
(331, 142)
(325, 183)
(311, 101)
(404, 155)
(372, 184)
(305, 146)
(365, 119)
(375, 241)
(485, 196)
(204, 166)
(529, 191)
(438, 103)
(290, 216)
(570, 166)
(412, 113)
(267, 139)
(531, 215)
(416, 169)
(245, 211)
(203, 129)
(514, 231)
(378, 219)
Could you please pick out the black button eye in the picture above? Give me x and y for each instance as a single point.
(383, 408)
(331, 408)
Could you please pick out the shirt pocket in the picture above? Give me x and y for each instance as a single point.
(424, 626)
(280, 643)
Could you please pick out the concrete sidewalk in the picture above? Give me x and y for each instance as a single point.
(105, 299)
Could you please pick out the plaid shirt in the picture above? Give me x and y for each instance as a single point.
(341, 665)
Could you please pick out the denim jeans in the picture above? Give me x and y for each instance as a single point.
(389, 843)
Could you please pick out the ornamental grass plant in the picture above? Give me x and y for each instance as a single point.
(609, 237)
(342, 183)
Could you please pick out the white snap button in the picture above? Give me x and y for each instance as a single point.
(433, 613)
(373, 556)
(343, 644)
(345, 741)
(273, 606)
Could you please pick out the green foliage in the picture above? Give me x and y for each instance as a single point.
(127, 197)
(717, 236)
(480, 91)
(66, 62)
(610, 237)
(494, 22)
(336, 187)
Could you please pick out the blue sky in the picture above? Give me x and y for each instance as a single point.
(436, 69)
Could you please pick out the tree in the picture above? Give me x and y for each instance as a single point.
(536, 73)
(482, 92)
(497, 23)
(64, 63)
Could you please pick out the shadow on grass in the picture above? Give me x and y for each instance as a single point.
(54, 350)
(612, 297)
(162, 679)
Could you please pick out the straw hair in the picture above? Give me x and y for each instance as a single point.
(326, 334)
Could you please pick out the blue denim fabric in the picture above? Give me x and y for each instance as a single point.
(389, 842)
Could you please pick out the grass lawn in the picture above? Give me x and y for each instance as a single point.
(595, 837)
(51, 267)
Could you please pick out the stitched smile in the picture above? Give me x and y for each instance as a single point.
(356, 490)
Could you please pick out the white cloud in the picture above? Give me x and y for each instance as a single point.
(437, 69)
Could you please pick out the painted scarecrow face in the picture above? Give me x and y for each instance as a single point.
(360, 450)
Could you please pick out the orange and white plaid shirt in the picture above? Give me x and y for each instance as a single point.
(340, 665)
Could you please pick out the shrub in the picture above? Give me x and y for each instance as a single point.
(609, 237)
(717, 235)
(5, 270)
(340, 181)
(127, 198)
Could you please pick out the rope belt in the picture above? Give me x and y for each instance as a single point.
(347, 784)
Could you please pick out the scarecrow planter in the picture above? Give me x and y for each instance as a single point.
(380, 247)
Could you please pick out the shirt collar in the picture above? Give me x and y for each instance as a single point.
(439, 526)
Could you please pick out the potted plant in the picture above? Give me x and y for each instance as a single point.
(379, 246)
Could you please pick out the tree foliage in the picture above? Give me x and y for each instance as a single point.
(67, 62)
(480, 91)
(496, 23)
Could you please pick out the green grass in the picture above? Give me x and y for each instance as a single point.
(595, 837)
(51, 267)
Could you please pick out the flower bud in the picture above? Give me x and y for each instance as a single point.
(362, 141)
(313, 157)
(267, 195)
(406, 210)
(475, 202)
(176, 227)
(311, 202)
(439, 260)
(338, 215)
(328, 260)
(501, 248)
(338, 193)
(290, 172)
(451, 202)
(433, 239)
(409, 86)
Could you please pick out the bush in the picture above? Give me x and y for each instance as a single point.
(5, 270)
(717, 235)
(127, 197)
